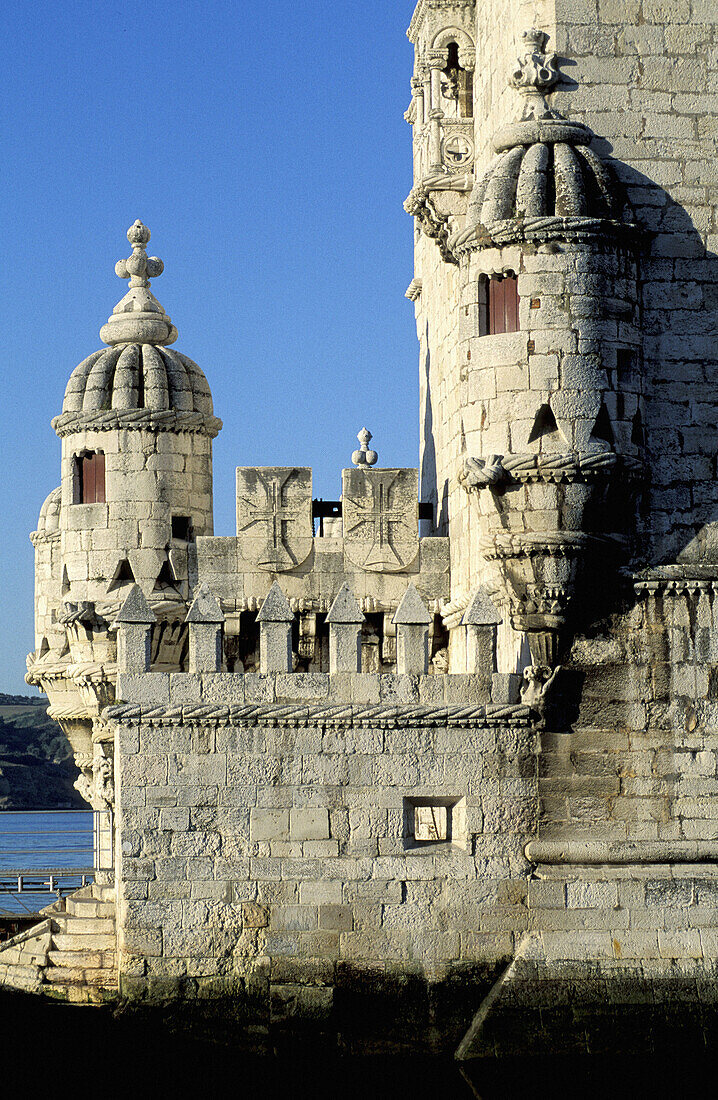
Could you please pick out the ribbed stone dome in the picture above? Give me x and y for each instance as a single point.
(49, 518)
(138, 382)
(137, 376)
(544, 170)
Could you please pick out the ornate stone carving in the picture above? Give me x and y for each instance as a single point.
(139, 316)
(274, 517)
(363, 456)
(537, 683)
(536, 72)
(381, 518)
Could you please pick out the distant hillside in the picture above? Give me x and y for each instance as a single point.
(36, 766)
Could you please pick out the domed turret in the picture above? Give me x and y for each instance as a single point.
(136, 426)
(137, 378)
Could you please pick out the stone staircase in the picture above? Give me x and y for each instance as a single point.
(71, 954)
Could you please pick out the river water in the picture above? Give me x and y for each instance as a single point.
(38, 840)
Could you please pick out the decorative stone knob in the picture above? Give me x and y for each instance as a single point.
(363, 456)
(139, 317)
(535, 73)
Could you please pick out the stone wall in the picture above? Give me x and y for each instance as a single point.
(271, 856)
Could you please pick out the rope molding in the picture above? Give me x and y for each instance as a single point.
(165, 420)
(296, 714)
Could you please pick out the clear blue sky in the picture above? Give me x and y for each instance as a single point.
(265, 147)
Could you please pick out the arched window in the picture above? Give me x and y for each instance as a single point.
(457, 84)
(88, 486)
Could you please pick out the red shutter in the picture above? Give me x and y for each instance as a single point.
(88, 479)
(511, 300)
(92, 478)
(100, 478)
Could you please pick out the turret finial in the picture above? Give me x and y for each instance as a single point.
(139, 317)
(363, 456)
(535, 74)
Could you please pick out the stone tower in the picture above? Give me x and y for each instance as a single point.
(136, 426)
(533, 250)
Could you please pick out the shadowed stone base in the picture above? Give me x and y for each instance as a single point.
(352, 1010)
(574, 1008)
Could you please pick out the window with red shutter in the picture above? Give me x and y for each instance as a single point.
(502, 305)
(89, 478)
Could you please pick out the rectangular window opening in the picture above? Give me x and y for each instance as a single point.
(182, 528)
(498, 304)
(432, 822)
(89, 478)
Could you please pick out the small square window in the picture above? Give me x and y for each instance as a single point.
(434, 822)
(182, 528)
(431, 823)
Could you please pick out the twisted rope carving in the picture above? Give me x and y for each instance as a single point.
(292, 714)
(166, 420)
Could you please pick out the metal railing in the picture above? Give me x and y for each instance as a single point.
(45, 854)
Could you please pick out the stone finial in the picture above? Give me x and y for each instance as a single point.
(135, 609)
(275, 608)
(535, 74)
(139, 318)
(412, 610)
(134, 633)
(363, 456)
(275, 632)
(205, 621)
(481, 611)
(345, 619)
(412, 622)
(345, 608)
(205, 607)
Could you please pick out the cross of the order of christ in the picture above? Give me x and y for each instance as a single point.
(275, 515)
(380, 515)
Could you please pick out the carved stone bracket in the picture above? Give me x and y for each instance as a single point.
(478, 473)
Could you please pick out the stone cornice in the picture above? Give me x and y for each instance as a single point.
(623, 852)
(574, 230)
(153, 420)
(425, 6)
(296, 714)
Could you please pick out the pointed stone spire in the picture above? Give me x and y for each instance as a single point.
(412, 610)
(412, 634)
(139, 318)
(480, 621)
(481, 611)
(345, 608)
(275, 608)
(345, 619)
(205, 620)
(205, 607)
(135, 609)
(134, 633)
(275, 632)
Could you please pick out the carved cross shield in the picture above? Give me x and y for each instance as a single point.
(381, 518)
(274, 517)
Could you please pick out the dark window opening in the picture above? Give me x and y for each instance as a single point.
(182, 528)
(638, 437)
(499, 304)
(459, 84)
(89, 478)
